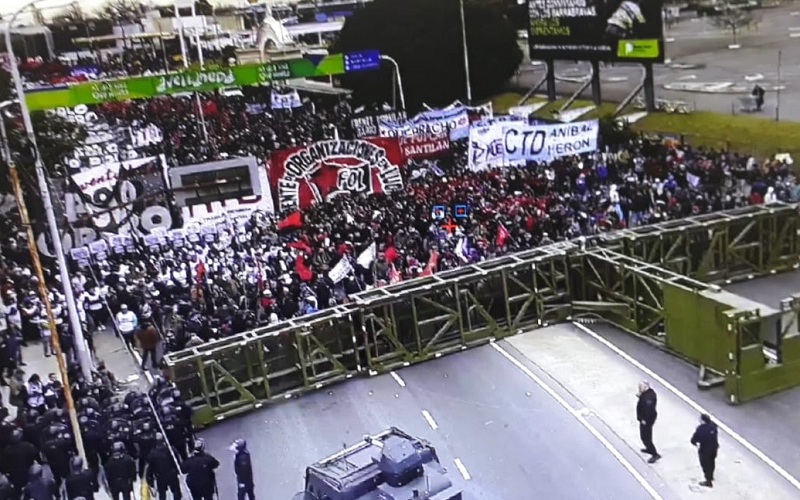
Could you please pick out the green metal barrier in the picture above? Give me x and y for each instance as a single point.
(652, 280)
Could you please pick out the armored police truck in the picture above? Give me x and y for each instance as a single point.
(391, 465)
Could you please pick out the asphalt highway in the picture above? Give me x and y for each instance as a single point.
(512, 438)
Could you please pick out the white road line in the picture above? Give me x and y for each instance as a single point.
(686, 399)
(549, 390)
(430, 420)
(397, 379)
(794, 35)
(463, 470)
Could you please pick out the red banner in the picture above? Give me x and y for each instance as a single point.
(320, 171)
(425, 146)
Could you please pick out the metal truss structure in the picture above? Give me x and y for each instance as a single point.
(643, 279)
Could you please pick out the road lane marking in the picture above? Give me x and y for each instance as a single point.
(430, 420)
(561, 401)
(463, 470)
(794, 35)
(686, 399)
(397, 379)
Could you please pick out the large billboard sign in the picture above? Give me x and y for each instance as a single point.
(322, 170)
(604, 30)
(200, 80)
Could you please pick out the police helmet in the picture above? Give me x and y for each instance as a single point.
(77, 464)
(16, 435)
(199, 445)
(146, 426)
(240, 444)
(118, 447)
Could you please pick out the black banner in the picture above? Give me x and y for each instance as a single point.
(605, 30)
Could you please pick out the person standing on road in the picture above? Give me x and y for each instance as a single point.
(705, 439)
(646, 415)
(127, 322)
(244, 471)
(199, 470)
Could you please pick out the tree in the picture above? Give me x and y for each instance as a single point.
(424, 37)
(734, 18)
(122, 11)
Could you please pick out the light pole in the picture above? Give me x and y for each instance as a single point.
(466, 55)
(397, 78)
(74, 320)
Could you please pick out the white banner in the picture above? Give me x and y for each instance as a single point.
(504, 143)
(286, 101)
(455, 121)
(340, 270)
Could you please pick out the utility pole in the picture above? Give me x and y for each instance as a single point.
(45, 296)
(466, 55)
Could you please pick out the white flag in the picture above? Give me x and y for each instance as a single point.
(340, 270)
(367, 256)
(692, 179)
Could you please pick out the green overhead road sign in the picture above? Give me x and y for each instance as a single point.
(142, 87)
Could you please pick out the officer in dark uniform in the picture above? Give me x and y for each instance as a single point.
(39, 487)
(705, 439)
(57, 449)
(162, 470)
(144, 440)
(81, 483)
(120, 472)
(646, 415)
(199, 470)
(17, 460)
(92, 443)
(175, 430)
(244, 471)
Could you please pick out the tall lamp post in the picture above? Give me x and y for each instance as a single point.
(397, 78)
(74, 320)
(466, 55)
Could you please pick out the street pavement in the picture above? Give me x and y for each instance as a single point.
(695, 42)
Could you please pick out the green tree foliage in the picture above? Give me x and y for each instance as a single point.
(424, 37)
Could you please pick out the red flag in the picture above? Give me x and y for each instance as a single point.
(432, 262)
(302, 269)
(299, 245)
(391, 254)
(292, 221)
(502, 235)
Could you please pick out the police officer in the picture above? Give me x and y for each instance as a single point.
(120, 472)
(705, 439)
(92, 443)
(162, 470)
(145, 440)
(646, 415)
(175, 430)
(57, 449)
(39, 487)
(17, 460)
(81, 483)
(244, 470)
(199, 470)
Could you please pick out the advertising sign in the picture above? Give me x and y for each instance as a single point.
(197, 80)
(605, 30)
(225, 191)
(318, 172)
(513, 143)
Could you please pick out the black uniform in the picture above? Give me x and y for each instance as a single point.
(81, 484)
(6, 489)
(161, 468)
(706, 437)
(16, 462)
(200, 476)
(244, 475)
(121, 473)
(646, 415)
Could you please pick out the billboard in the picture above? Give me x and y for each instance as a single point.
(604, 30)
(221, 191)
(306, 175)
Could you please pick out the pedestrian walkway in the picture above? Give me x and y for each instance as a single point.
(606, 384)
(109, 349)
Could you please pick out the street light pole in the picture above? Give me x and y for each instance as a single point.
(398, 78)
(74, 320)
(466, 55)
